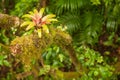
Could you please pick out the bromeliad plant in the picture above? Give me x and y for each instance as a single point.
(38, 21)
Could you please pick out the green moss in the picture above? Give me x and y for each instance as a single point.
(6, 21)
(31, 46)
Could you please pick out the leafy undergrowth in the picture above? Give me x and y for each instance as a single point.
(42, 52)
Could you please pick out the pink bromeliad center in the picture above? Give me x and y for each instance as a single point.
(37, 19)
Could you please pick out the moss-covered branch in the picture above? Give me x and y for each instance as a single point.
(7, 21)
(30, 47)
(4, 46)
(53, 72)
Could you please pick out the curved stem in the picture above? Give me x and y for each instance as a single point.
(6, 47)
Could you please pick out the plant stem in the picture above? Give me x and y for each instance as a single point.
(6, 47)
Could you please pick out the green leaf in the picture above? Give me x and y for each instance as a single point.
(57, 49)
(4, 37)
(95, 2)
(96, 73)
(52, 20)
(48, 55)
(100, 59)
(45, 28)
(1, 62)
(28, 32)
(35, 11)
(26, 16)
(47, 68)
(1, 57)
(47, 17)
(39, 31)
(116, 10)
(31, 25)
(41, 11)
(31, 13)
(61, 57)
(6, 63)
(25, 23)
(44, 70)
(59, 74)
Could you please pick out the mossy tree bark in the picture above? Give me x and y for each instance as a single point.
(30, 47)
(6, 21)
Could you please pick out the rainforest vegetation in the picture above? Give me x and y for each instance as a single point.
(59, 39)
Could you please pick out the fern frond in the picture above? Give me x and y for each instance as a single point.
(91, 30)
(69, 5)
(72, 21)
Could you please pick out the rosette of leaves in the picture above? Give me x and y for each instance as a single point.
(38, 21)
